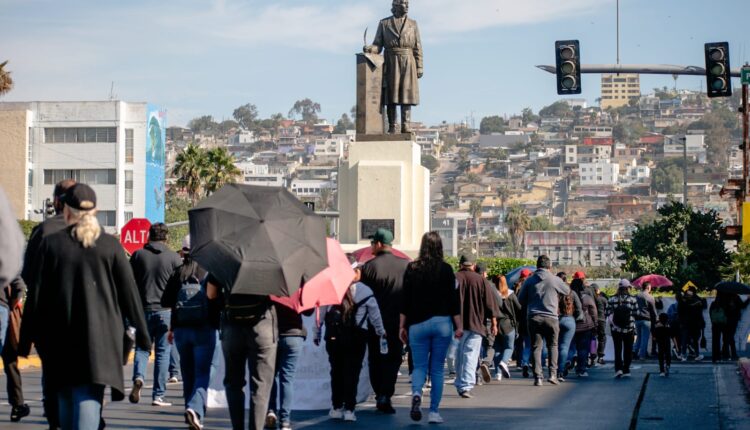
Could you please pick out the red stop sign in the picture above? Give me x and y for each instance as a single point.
(134, 234)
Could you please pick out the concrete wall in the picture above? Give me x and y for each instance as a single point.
(14, 144)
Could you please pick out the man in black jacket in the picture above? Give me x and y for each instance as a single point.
(46, 228)
(385, 276)
(153, 266)
(11, 297)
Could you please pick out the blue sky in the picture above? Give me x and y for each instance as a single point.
(197, 57)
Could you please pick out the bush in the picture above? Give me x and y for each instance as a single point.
(27, 227)
(496, 266)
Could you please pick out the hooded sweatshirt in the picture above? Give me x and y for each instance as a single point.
(540, 294)
(153, 266)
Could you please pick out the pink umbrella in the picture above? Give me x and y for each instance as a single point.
(327, 287)
(657, 281)
(365, 254)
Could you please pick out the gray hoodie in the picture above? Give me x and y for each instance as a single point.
(541, 294)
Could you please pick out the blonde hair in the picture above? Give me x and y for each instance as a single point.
(502, 286)
(87, 229)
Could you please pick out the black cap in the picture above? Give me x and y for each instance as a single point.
(80, 197)
(467, 260)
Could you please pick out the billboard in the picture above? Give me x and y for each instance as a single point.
(156, 126)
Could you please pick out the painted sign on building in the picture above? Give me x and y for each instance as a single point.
(156, 127)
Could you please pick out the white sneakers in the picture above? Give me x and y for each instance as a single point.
(618, 374)
(191, 417)
(336, 414)
(349, 416)
(434, 418)
(159, 401)
(498, 377)
(699, 358)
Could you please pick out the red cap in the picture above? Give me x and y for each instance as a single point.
(525, 273)
(579, 275)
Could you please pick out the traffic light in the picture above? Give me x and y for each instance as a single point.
(568, 57)
(718, 70)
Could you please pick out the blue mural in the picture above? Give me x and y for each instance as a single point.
(156, 136)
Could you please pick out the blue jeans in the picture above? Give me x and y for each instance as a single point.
(4, 315)
(429, 341)
(196, 347)
(567, 331)
(451, 357)
(503, 349)
(287, 355)
(467, 357)
(80, 407)
(583, 348)
(643, 332)
(158, 327)
(526, 351)
(175, 368)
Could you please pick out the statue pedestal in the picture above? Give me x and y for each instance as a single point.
(383, 184)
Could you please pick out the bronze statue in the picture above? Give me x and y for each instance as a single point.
(399, 36)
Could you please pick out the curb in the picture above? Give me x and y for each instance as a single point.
(744, 369)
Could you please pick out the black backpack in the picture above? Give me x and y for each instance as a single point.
(622, 313)
(340, 328)
(191, 308)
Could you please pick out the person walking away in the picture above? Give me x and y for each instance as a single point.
(292, 335)
(734, 309)
(193, 331)
(346, 337)
(11, 299)
(717, 313)
(507, 325)
(674, 328)
(663, 336)
(621, 311)
(570, 311)
(153, 266)
(523, 345)
(540, 295)
(430, 317)
(84, 289)
(488, 338)
(33, 247)
(690, 311)
(477, 305)
(601, 322)
(384, 274)
(585, 326)
(645, 318)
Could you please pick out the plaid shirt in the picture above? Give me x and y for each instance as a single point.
(622, 299)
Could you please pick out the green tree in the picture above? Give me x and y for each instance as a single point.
(189, 169)
(475, 210)
(492, 124)
(658, 247)
(463, 163)
(343, 125)
(503, 193)
(740, 264)
(528, 116)
(27, 227)
(6, 81)
(558, 109)
(307, 109)
(227, 125)
(246, 116)
(518, 222)
(430, 163)
(473, 178)
(541, 223)
(220, 169)
(667, 177)
(447, 191)
(203, 124)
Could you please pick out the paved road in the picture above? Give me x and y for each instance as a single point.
(696, 396)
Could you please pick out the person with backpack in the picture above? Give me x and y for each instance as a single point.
(430, 318)
(643, 321)
(153, 266)
(346, 337)
(621, 311)
(570, 311)
(507, 325)
(662, 335)
(585, 326)
(193, 325)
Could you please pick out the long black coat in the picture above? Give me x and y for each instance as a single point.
(76, 309)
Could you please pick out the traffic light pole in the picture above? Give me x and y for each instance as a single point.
(745, 143)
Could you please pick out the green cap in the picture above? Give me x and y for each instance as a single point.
(383, 236)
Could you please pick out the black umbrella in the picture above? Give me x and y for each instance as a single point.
(258, 240)
(732, 287)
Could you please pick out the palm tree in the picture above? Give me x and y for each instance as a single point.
(6, 82)
(475, 210)
(220, 169)
(190, 167)
(517, 220)
(503, 193)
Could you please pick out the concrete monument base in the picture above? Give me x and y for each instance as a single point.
(383, 184)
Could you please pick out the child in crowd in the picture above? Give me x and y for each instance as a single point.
(662, 333)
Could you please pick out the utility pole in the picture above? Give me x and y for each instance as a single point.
(684, 194)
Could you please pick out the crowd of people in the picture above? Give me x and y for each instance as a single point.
(83, 295)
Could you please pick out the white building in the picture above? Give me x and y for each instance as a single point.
(309, 188)
(603, 173)
(260, 174)
(243, 137)
(103, 144)
(578, 154)
(696, 147)
(635, 174)
(329, 149)
(429, 140)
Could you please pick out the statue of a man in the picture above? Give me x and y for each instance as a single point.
(399, 36)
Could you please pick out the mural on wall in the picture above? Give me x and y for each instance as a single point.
(155, 155)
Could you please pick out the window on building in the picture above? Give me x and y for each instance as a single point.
(87, 176)
(128, 216)
(107, 218)
(128, 187)
(128, 145)
(80, 135)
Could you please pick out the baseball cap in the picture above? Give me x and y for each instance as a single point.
(186, 243)
(80, 197)
(624, 283)
(467, 260)
(579, 275)
(383, 236)
(525, 273)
